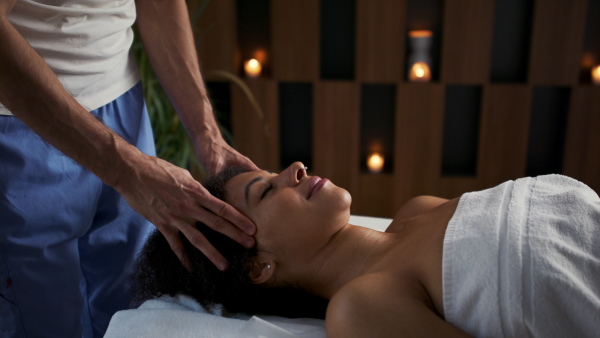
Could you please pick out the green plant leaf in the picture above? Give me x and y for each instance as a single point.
(235, 79)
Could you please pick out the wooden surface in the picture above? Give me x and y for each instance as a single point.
(557, 42)
(381, 45)
(336, 132)
(380, 40)
(255, 137)
(467, 41)
(216, 38)
(419, 132)
(374, 196)
(504, 133)
(295, 40)
(582, 148)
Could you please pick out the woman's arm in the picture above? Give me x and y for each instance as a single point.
(384, 307)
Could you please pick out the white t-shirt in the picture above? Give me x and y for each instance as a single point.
(85, 42)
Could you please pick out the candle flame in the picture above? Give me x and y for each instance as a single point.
(596, 75)
(375, 162)
(252, 68)
(419, 72)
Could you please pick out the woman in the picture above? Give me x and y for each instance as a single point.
(515, 260)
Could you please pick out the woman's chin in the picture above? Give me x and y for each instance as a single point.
(345, 199)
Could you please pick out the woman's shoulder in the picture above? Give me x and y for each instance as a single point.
(371, 288)
(379, 305)
(368, 296)
(417, 206)
(421, 206)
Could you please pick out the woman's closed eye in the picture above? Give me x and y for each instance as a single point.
(267, 189)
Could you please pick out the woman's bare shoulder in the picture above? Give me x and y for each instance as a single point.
(383, 305)
(366, 301)
(418, 205)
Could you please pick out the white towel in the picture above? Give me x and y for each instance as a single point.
(183, 316)
(179, 316)
(523, 259)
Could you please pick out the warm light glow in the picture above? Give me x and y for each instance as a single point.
(375, 163)
(252, 68)
(260, 55)
(596, 75)
(420, 34)
(419, 72)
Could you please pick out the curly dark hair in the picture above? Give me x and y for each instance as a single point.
(158, 272)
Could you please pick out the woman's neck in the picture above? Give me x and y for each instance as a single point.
(352, 252)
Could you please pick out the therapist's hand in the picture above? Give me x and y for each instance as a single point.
(215, 155)
(171, 199)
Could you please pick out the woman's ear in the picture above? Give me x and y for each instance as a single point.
(263, 268)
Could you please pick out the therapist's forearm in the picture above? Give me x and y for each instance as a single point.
(167, 36)
(33, 93)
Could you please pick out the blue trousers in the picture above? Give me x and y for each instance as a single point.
(67, 241)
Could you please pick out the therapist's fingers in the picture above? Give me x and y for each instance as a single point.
(197, 239)
(176, 244)
(171, 199)
(222, 216)
(225, 227)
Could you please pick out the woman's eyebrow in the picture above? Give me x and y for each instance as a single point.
(247, 192)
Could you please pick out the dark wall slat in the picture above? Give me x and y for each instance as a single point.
(547, 131)
(461, 130)
(337, 44)
(295, 109)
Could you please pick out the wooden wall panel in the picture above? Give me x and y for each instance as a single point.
(503, 138)
(467, 41)
(374, 196)
(258, 139)
(295, 39)
(381, 39)
(419, 133)
(466, 52)
(336, 135)
(557, 42)
(454, 186)
(582, 148)
(216, 38)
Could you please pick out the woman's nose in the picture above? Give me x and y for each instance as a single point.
(295, 173)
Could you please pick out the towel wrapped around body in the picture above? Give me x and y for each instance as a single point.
(523, 259)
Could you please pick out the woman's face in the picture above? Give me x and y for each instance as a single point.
(295, 214)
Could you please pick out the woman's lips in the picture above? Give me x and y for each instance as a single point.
(315, 184)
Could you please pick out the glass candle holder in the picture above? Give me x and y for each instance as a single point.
(419, 60)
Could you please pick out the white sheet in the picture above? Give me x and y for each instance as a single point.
(182, 316)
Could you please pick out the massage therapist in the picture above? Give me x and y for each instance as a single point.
(79, 184)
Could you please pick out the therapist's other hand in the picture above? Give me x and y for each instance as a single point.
(171, 199)
(215, 155)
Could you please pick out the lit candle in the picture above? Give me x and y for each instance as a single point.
(419, 72)
(596, 75)
(252, 68)
(419, 59)
(375, 163)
